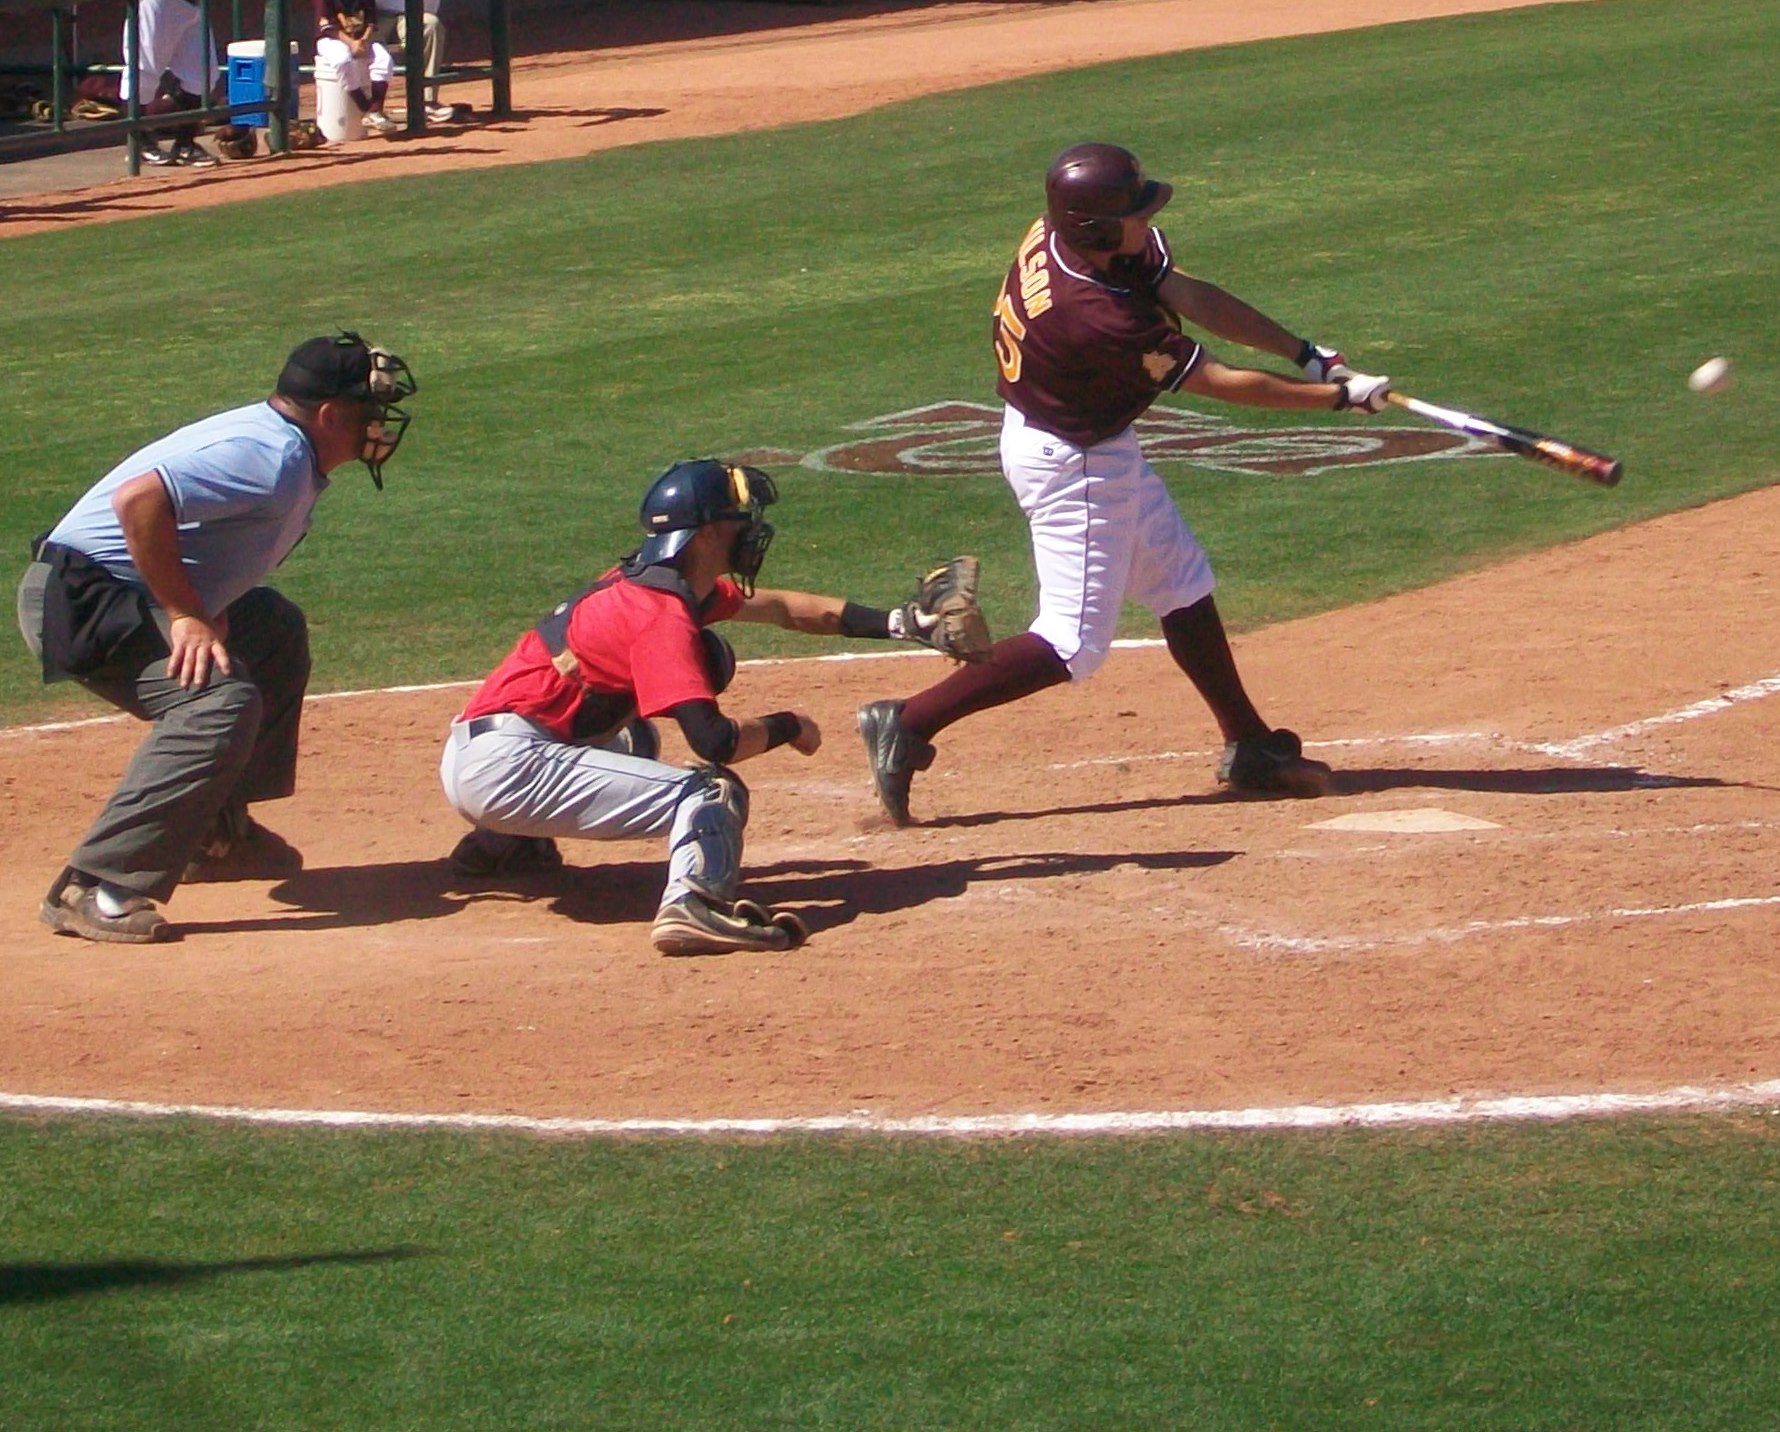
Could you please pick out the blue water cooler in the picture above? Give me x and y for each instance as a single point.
(247, 79)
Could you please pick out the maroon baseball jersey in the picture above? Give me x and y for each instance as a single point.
(1083, 353)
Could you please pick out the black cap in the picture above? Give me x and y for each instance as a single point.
(323, 368)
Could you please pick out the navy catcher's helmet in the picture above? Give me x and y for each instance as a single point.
(690, 494)
(1089, 188)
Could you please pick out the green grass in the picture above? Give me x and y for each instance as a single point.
(1548, 216)
(1622, 1275)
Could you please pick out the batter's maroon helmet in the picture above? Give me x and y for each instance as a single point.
(1090, 187)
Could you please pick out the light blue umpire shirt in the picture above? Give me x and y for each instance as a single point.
(243, 486)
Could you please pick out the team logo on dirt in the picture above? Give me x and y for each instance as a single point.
(959, 439)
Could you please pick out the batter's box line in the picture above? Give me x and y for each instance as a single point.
(1429, 738)
(1682, 1099)
(1270, 943)
(1711, 706)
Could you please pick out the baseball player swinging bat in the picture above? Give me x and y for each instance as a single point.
(1554, 452)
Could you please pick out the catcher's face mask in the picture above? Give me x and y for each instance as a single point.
(753, 491)
(390, 382)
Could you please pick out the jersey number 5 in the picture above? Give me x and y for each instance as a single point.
(1009, 331)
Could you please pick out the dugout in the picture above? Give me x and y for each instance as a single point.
(49, 45)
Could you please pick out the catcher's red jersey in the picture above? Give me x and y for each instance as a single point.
(626, 639)
(1082, 353)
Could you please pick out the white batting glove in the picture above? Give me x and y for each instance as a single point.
(1322, 365)
(1363, 391)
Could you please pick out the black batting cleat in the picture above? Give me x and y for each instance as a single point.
(1273, 765)
(894, 754)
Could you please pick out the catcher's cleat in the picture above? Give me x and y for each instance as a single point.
(692, 926)
(486, 854)
(71, 909)
(1274, 765)
(757, 914)
(894, 754)
(238, 847)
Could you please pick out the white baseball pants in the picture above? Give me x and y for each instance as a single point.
(504, 774)
(356, 72)
(1104, 530)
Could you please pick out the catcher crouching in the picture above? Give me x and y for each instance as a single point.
(560, 740)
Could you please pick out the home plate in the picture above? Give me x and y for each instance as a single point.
(1422, 821)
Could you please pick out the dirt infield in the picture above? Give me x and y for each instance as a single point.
(1550, 868)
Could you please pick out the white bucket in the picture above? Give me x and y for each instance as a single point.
(336, 115)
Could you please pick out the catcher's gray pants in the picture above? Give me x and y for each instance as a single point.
(504, 774)
(231, 741)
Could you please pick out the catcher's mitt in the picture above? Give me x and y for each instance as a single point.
(238, 141)
(305, 135)
(943, 613)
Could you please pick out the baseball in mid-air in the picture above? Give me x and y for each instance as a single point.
(1712, 376)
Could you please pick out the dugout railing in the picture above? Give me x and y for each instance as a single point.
(62, 72)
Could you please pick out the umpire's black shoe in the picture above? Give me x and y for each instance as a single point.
(72, 909)
(1274, 765)
(894, 754)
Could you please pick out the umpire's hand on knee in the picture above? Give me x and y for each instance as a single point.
(196, 645)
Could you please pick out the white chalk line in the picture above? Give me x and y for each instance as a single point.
(1572, 749)
(1452, 934)
(45, 728)
(1711, 706)
(1291, 1117)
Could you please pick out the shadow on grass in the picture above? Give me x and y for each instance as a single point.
(46, 1282)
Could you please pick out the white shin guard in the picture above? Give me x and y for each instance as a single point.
(705, 841)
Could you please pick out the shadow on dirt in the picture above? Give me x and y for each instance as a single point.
(825, 893)
(47, 1282)
(353, 896)
(829, 894)
(1539, 781)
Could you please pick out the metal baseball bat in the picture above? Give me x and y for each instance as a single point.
(1523, 442)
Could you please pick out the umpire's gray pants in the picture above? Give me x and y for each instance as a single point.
(504, 774)
(231, 741)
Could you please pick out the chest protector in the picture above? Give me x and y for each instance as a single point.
(599, 715)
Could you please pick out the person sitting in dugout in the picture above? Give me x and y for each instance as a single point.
(560, 741)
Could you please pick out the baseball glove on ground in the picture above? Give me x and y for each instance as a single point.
(305, 135)
(237, 141)
(944, 614)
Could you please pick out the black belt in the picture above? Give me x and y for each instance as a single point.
(482, 725)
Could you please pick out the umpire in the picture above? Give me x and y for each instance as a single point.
(147, 594)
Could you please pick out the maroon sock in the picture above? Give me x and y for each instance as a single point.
(1197, 642)
(1016, 667)
(379, 91)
